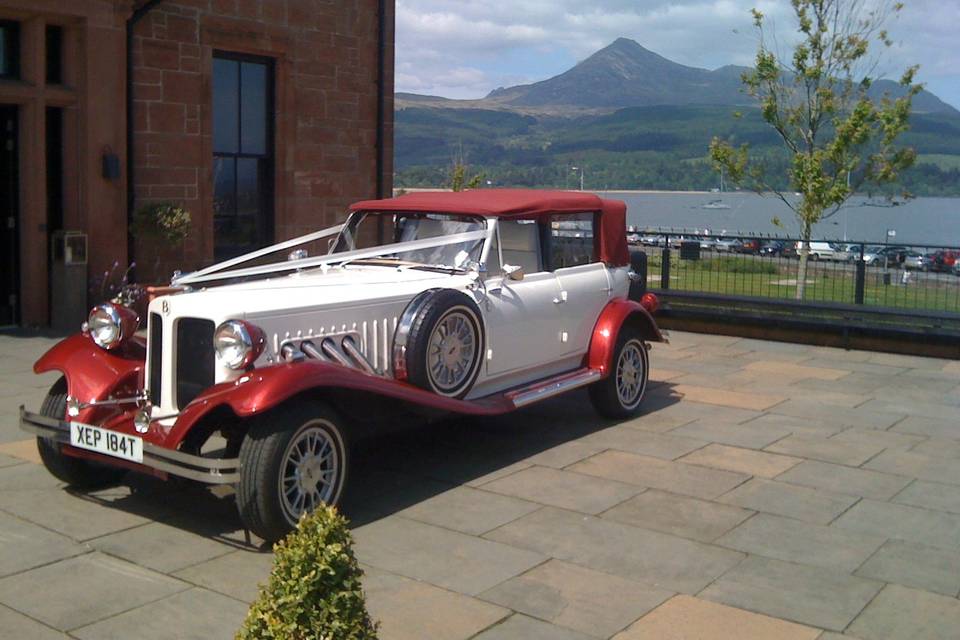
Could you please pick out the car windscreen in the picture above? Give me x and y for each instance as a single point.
(368, 230)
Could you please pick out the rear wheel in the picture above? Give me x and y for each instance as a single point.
(292, 460)
(82, 474)
(620, 394)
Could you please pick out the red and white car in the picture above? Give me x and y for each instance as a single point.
(258, 371)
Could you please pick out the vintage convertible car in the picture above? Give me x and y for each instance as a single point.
(260, 370)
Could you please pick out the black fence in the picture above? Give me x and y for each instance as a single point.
(919, 278)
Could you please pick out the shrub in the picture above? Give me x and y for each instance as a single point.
(164, 220)
(314, 590)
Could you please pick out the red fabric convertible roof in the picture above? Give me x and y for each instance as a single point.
(520, 203)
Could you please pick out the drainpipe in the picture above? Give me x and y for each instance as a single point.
(381, 98)
(138, 14)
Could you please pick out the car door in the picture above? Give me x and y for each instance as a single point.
(585, 286)
(522, 316)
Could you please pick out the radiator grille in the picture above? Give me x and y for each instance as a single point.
(156, 358)
(195, 358)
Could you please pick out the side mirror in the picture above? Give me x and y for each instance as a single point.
(513, 272)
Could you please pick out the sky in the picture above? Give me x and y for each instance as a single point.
(466, 48)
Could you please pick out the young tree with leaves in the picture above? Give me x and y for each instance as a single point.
(817, 101)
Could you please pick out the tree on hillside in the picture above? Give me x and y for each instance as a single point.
(816, 100)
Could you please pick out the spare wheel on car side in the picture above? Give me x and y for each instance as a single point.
(439, 342)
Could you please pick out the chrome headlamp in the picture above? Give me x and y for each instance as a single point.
(109, 325)
(238, 343)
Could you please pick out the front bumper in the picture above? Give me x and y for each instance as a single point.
(178, 463)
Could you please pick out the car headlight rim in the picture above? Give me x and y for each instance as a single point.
(238, 343)
(109, 326)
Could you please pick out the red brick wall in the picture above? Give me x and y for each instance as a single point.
(325, 65)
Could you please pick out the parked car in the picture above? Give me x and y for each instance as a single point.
(944, 261)
(772, 248)
(651, 240)
(883, 256)
(503, 300)
(748, 245)
(726, 245)
(916, 261)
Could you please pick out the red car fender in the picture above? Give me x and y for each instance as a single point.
(618, 312)
(262, 389)
(93, 373)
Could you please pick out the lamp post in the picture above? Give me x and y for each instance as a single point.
(580, 169)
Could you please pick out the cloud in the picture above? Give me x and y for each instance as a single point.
(463, 49)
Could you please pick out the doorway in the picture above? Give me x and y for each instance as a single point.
(9, 217)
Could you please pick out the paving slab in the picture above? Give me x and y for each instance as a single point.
(78, 591)
(930, 427)
(196, 614)
(445, 558)
(19, 450)
(916, 465)
(16, 626)
(654, 558)
(9, 461)
(801, 542)
(915, 565)
(749, 435)
(925, 407)
(900, 613)
(740, 460)
(238, 574)
(26, 546)
(567, 595)
(792, 501)
(727, 398)
(847, 480)
(469, 510)
(644, 471)
(938, 448)
(814, 596)
(564, 454)
(902, 522)
(931, 495)
(411, 610)
(657, 445)
(564, 489)
(782, 369)
(687, 618)
(160, 547)
(797, 426)
(678, 515)
(858, 417)
(852, 454)
(521, 626)
(887, 439)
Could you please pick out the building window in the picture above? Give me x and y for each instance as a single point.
(243, 154)
(54, 54)
(9, 49)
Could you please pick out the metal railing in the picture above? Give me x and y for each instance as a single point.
(919, 278)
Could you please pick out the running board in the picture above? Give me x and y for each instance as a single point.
(553, 387)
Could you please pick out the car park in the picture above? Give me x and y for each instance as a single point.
(825, 251)
(885, 256)
(258, 372)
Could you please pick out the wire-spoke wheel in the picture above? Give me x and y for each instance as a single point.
(452, 351)
(440, 342)
(621, 393)
(292, 460)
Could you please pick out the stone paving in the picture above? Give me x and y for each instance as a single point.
(769, 490)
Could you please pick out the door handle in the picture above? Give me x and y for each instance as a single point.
(560, 299)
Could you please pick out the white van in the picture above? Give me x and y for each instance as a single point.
(825, 251)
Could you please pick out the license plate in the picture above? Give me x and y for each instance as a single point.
(111, 443)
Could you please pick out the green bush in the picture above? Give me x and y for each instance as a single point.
(732, 264)
(314, 591)
(164, 220)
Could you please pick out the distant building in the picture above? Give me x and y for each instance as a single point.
(263, 118)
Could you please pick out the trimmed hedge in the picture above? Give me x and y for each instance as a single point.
(314, 590)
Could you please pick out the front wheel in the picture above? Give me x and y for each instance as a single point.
(620, 394)
(78, 473)
(292, 460)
